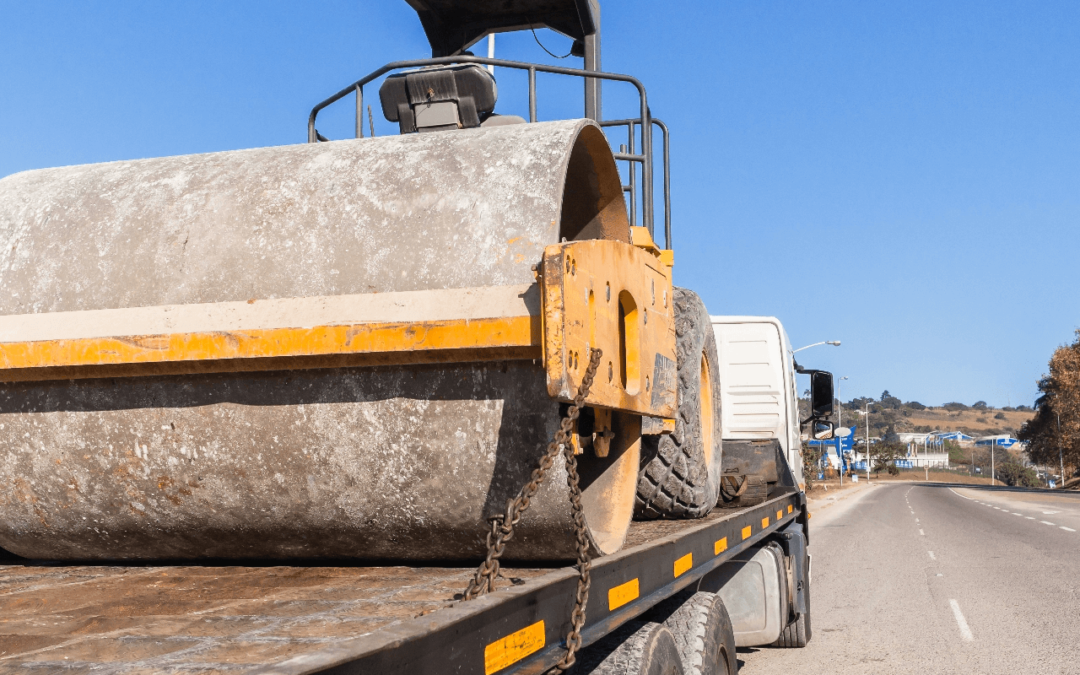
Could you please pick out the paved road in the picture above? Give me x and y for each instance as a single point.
(917, 578)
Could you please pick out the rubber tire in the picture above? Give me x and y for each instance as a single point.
(798, 632)
(675, 480)
(703, 632)
(638, 648)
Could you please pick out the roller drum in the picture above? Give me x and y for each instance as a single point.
(405, 462)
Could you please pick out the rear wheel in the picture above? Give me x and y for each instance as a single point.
(680, 472)
(650, 649)
(703, 632)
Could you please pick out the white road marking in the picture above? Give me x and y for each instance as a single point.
(916, 520)
(1018, 514)
(965, 632)
(931, 555)
(1067, 529)
(1029, 517)
(1046, 522)
(922, 533)
(1050, 513)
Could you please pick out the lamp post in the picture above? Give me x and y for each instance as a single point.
(993, 444)
(839, 424)
(866, 413)
(834, 343)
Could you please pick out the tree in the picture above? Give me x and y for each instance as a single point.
(891, 436)
(979, 405)
(954, 406)
(1012, 473)
(890, 401)
(1053, 434)
(883, 456)
(811, 457)
(915, 405)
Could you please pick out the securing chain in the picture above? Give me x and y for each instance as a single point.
(502, 526)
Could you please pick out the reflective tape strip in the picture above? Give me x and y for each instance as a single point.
(746, 531)
(684, 563)
(622, 594)
(720, 546)
(513, 648)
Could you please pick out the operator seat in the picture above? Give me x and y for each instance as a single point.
(439, 98)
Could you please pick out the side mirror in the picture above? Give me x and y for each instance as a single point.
(824, 430)
(821, 394)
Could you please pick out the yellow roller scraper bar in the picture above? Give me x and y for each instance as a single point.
(589, 294)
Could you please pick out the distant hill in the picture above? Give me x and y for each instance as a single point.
(987, 422)
(913, 417)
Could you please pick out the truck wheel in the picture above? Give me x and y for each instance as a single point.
(680, 472)
(798, 632)
(703, 632)
(650, 650)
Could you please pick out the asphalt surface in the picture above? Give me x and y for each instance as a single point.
(923, 578)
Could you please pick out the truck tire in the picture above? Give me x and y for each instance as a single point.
(648, 650)
(798, 632)
(680, 472)
(703, 632)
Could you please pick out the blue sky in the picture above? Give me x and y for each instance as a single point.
(904, 177)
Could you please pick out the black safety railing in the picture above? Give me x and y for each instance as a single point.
(643, 122)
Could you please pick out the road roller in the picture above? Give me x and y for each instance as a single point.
(360, 349)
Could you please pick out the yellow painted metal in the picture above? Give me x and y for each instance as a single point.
(618, 298)
(622, 594)
(683, 564)
(462, 339)
(643, 240)
(514, 647)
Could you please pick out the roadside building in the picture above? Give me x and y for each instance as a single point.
(1000, 440)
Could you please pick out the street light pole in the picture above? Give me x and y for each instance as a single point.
(866, 413)
(993, 444)
(839, 424)
(834, 343)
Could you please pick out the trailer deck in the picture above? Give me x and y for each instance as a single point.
(292, 620)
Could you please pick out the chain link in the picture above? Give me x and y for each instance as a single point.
(502, 526)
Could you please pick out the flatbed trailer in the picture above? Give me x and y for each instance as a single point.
(290, 620)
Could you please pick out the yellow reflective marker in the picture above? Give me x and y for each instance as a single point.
(746, 533)
(779, 515)
(789, 509)
(764, 523)
(513, 648)
(684, 563)
(622, 594)
(720, 546)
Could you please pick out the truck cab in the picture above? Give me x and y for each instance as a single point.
(759, 395)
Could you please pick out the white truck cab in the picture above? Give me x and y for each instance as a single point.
(759, 395)
(762, 450)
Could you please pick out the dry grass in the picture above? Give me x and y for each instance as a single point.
(980, 421)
